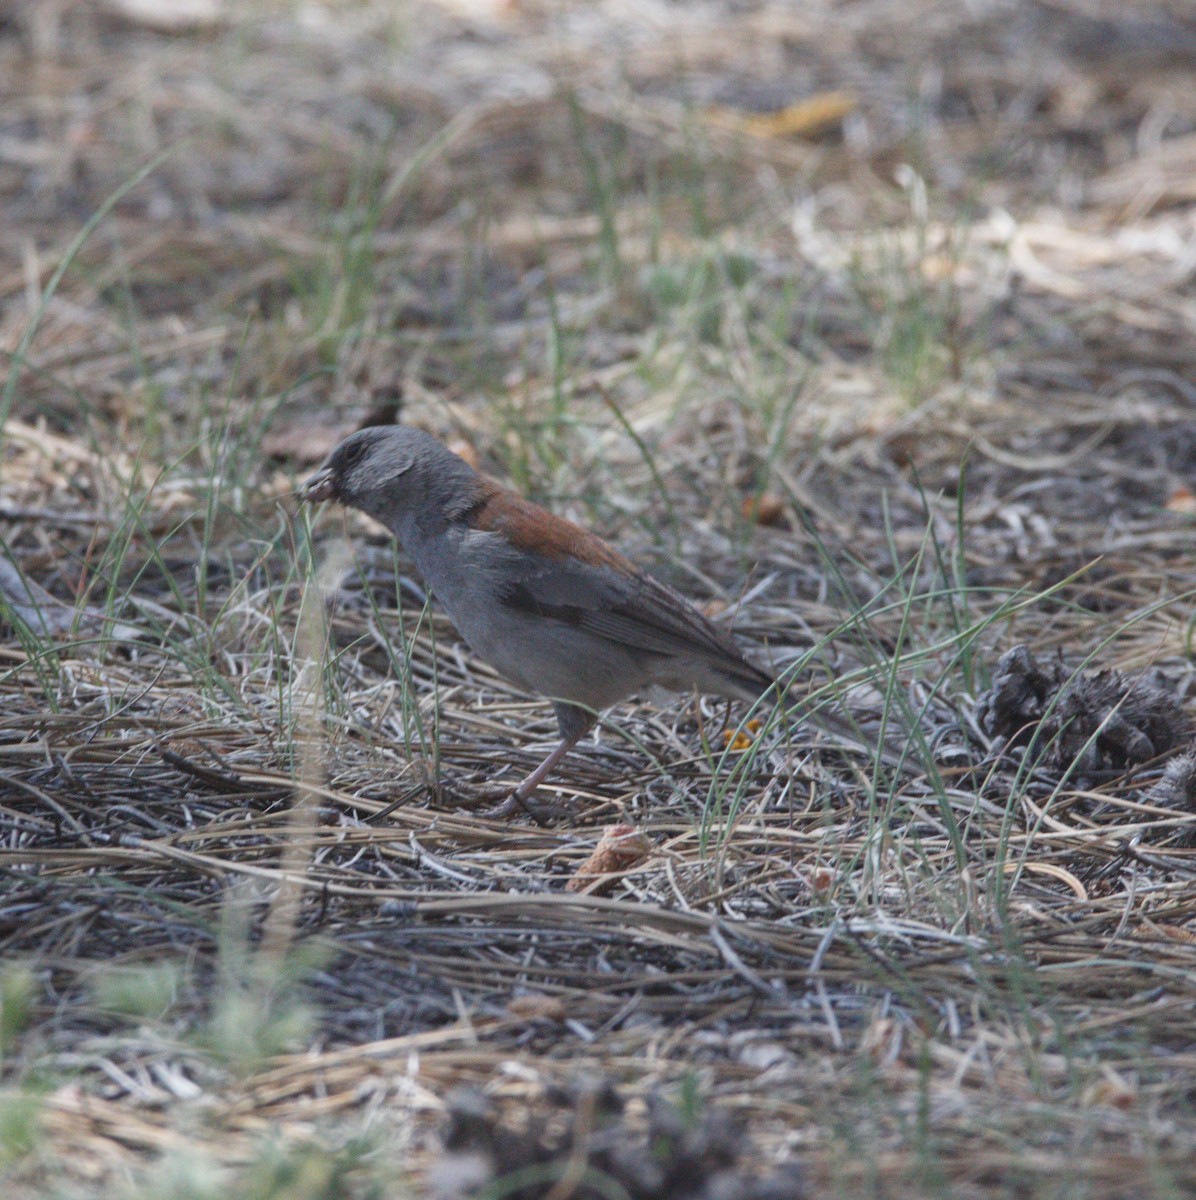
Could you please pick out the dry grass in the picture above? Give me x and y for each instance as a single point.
(919, 280)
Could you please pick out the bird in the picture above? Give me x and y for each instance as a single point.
(551, 606)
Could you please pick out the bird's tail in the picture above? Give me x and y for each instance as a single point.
(745, 681)
(831, 718)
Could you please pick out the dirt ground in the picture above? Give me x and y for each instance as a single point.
(868, 326)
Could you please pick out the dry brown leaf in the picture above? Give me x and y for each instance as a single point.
(1112, 1090)
(806, 118)
(822, 879)
(619, 849)
(765, 509)
(1181, 500)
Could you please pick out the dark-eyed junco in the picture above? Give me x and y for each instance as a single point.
(552, 607)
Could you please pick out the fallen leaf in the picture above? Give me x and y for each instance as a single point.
(1182, 500)
(619, 849)
(822, 879)
(1110, 1091)
(765, 509)
(806, 118)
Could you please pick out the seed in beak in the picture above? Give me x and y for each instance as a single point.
(321, 486)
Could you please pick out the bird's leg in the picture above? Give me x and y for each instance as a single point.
(520, 798)
(573, 722)
(524, 792)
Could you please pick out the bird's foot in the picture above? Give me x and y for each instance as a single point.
(498, 801)
(516, 805)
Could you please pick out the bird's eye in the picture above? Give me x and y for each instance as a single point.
(352, 455)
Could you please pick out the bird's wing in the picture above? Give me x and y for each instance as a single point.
(562, 572)
(630, 608)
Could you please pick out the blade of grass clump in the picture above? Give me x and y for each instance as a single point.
(394, 187)
(18, 997)
(22, 1130)
(231, 459)
(728, 787)
(40, 649)
(779, 420)
(649, 460)
(967, 636)
(133, 524)
(951, 563)
(857, 622)
(879, 661)
(20, 355)
(892, 664)
(418, 740)
(960, 640)
(557, 337)
(600, 186)
(882, 825)
(342, 281)
(930, 600)
(303, 723)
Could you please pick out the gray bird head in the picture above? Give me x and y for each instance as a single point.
(386, 471)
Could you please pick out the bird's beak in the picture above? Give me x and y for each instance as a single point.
(321, 486)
